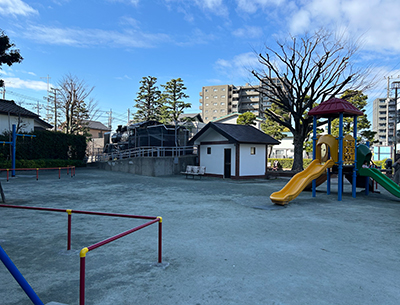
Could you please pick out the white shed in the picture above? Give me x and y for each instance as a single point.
(233, 151)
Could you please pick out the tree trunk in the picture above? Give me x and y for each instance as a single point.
(298, 141)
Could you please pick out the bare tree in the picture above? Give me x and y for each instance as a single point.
(310, 69)
(75, 104)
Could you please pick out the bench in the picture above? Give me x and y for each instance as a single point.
(192, 170)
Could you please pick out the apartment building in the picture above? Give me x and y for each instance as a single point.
(383, 120)
(222, 100)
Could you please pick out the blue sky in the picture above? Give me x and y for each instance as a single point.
(112, 44)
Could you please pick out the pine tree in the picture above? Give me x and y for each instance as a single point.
(173, 96)
(148, 101)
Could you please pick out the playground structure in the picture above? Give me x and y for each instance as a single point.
(339, 155)
(25, 285)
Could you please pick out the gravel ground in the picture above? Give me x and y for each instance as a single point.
(223, 242)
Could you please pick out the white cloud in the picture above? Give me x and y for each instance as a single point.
(14, 82)
(376, 20)
(90, 37)
(131, 2)
(15, 8)
(252, 6)
(129, 21)
(216, 7)
(239, 66)
(248, 32)
(196, 37)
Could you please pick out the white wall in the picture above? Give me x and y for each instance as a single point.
(6, 126)
(251, 165)
(285, 149)
(210, 135)
(214, 162)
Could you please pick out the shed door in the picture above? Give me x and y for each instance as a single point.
(227, 162)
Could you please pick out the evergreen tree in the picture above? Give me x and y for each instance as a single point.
(274, 129)
(247, 118)
(173, 96)
(359, 100)
(148, 101)
(8, 55)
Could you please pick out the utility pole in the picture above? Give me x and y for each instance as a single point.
(395, 86)
(38, 108)
(387, 110)
(48, 91)
(109, 119)
(54, 97)
(129, 114)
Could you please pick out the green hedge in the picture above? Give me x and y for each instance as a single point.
(288, 163)
(46, 145)
(47, 149)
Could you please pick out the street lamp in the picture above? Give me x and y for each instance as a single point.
(395, 86)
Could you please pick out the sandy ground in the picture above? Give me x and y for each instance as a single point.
(223, 242)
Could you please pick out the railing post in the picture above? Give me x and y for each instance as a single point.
(159, 239)
(8, 174)
(59, 173)
(37, 174)
(69, 229)
(82, 255)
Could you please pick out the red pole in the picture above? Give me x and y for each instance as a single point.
(37, 174)
(8, 173)
(71, 171)
(59, 173)
(69, 229)
(82, 278)
(160, 240)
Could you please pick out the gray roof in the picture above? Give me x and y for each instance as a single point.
(238, 134)
(97, 125)
(10, 107)
(191, 116)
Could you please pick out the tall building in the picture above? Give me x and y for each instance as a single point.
(218, 101)
(383, 120)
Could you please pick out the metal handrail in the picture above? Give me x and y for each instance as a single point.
(144, 151)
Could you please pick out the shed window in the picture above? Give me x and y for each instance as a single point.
(252, 150)
(208, 150)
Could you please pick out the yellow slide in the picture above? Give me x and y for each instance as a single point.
(299, 181)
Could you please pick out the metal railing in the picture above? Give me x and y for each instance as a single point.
(13, 170)
(144, 151)
(92, 247)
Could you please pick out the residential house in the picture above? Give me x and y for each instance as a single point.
(96, 134)
(25, 120)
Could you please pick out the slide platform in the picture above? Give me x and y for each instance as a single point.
(300, 181)
(383, 180)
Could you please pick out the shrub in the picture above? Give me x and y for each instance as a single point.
(47, 145)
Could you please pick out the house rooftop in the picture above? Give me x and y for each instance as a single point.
(97, 125)
(238, 134)
(10, 107)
